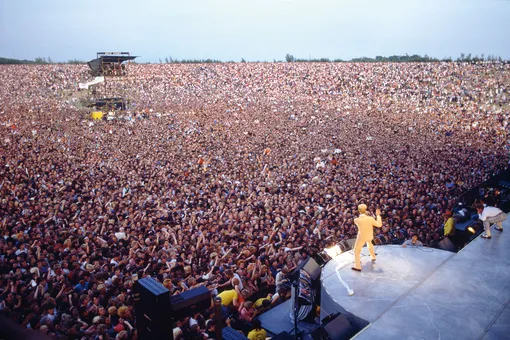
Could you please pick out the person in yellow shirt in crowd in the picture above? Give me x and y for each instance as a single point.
(449, 224)
(258, 333)
(228, 297)
(259, 302)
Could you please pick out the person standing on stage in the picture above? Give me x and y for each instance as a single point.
(489, 215)
(365, 226)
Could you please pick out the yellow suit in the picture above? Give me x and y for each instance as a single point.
(365, 226)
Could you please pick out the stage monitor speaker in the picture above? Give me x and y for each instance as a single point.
(446, 244)
(312, 268)
(187, 303)
(322, 258)
(350, 243)
(152, 309)
(339, 328)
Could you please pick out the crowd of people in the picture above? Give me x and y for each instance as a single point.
(224, 175)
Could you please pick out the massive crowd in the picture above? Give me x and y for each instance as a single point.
(224, 175)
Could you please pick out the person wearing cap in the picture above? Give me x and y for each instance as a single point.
(365, 226)
(490, 215)
(449, 225)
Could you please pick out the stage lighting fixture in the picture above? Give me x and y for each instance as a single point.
(333, 251)
(471, 229)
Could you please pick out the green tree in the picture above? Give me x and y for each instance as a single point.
(75, 61)
(289, 58)
(40, 60)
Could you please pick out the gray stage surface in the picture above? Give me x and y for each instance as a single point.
(422, 293)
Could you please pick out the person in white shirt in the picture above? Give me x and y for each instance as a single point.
(236, 276)
(281, 278)
(121, 234)
(21, 249)
(490, 215)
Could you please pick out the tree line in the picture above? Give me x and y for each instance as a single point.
(38, 61)
(400, 59)
(288, 58)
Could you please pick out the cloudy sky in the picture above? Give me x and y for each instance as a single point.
(254, 29)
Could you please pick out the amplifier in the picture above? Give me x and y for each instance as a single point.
(186, 303)
(152, 309)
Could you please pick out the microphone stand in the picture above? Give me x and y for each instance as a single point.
(295, 286)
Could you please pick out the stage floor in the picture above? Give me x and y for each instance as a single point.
(379, 285)
(423, 293)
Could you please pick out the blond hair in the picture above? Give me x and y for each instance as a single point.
(362, 208)
(122, 312)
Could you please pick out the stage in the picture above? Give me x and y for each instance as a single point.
(416, 292)
(396, 271)
(424, 293)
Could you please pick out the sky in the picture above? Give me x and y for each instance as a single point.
(256, 30)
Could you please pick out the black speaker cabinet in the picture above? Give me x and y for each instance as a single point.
(190, 301)
(152, 309)
(446, 244)
(339, 328)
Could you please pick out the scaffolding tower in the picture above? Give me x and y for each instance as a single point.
(111, 70)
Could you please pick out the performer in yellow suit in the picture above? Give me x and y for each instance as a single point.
(365, 226)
